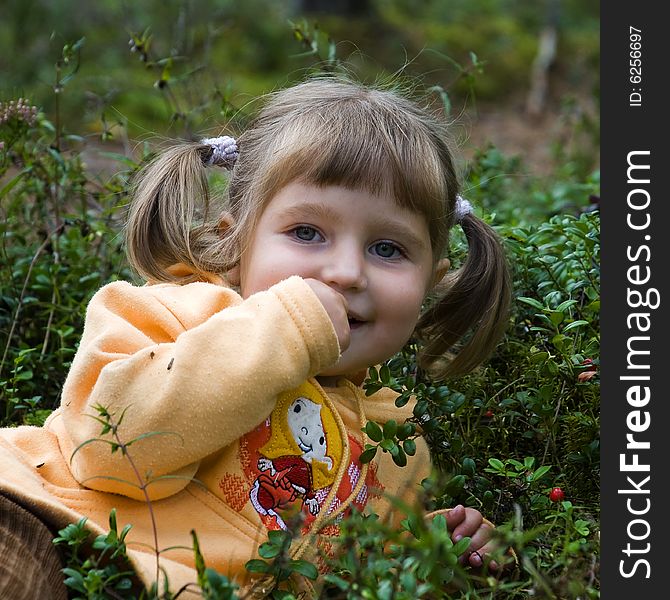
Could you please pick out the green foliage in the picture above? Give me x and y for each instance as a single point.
(377, 561)
(97, 570)
(498, 184)
(244, 47)
(59, 245)
(277, 565)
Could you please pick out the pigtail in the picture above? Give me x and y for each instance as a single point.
(474, 306)
(167, 219)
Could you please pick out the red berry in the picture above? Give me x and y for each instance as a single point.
(556, 495)
(488, 413)
(588, 363)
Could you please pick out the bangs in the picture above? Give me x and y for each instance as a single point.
(355, 143)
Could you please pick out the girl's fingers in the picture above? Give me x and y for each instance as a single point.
(469, 522)
(480, 556)
(468, 526)
(481, 539)
(455, 517)
(480, 546)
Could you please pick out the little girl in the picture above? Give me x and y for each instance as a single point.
(238, 368)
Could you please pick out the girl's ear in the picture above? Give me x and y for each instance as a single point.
(226, 223)
(441, 270)
(233, 276)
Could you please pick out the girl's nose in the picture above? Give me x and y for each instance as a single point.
(345, 270)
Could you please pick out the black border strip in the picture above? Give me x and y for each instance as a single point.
(635, 244)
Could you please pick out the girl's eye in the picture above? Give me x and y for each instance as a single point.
(306, 233)
(386, 250)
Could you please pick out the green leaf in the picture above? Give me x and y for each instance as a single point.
(404, 431)
(575, 324)
(444, 97)
(539, 472)
(372, 388)
(538, 357)
(112, 520)
(455, 485)
(413, 524)
(565, 305)
(390, 429)
(12, 182)
(278, 536)
(399, 457)
(497, 464)
(421, 408)
(257, 566)
(305, 568)
(385, 374)
(402, 400)
(410, 447)
(368, 455)
(469, 466)
(439, 523)
(75, 580)
(461, 546)
(268, 551)
(556, 317)
(581, 527)
(387, 445)
(374, 431)
(531, 302)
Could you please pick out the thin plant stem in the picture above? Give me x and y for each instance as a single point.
(143, 487)
(15, 319)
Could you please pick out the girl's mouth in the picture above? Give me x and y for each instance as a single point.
(355, 323)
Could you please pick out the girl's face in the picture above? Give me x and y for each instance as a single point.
(375, 253)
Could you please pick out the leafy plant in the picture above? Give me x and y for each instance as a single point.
(277, 566)
(93, 568)
(59, 245)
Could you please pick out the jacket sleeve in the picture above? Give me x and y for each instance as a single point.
(187, 369)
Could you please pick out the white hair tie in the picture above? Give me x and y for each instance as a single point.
(224, 151)
(462, 208)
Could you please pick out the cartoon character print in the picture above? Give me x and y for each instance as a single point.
(286, 478)
(292, 459)
(299, 457)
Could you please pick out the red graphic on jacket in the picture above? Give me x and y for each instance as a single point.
(293, 459)
(288, 478)
(284, 479)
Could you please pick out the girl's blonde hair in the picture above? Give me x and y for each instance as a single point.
(329, 132)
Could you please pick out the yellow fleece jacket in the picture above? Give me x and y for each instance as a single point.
(231, 434)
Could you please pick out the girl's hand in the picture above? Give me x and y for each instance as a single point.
(469, 522)
(336, 307)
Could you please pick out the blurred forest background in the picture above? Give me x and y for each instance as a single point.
(88, 90)
(519, 73)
